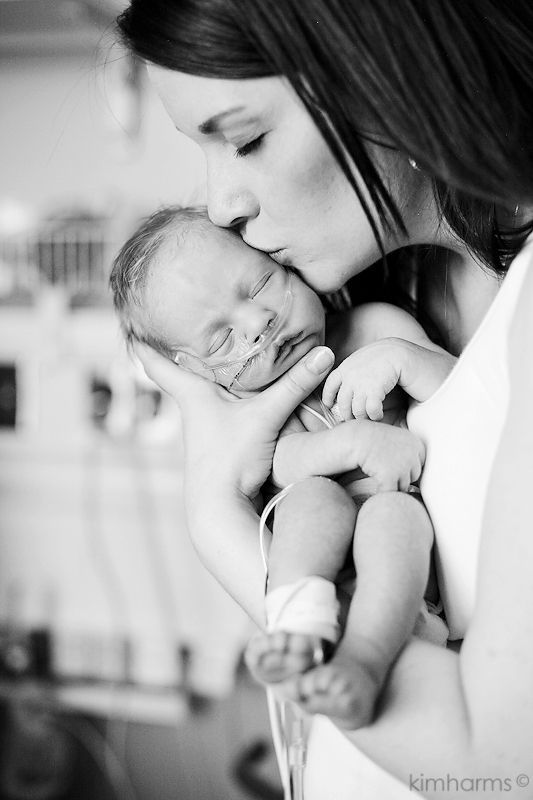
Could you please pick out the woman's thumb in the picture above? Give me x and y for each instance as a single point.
(298, 382)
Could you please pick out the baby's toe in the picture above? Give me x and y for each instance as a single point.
(279, 655)
(255, 650)
(338, 684)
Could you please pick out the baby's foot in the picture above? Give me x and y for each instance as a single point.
(345, 690)
(278, 656)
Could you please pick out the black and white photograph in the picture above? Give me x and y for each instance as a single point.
(266, 369)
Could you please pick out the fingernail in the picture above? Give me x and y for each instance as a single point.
(320, 361)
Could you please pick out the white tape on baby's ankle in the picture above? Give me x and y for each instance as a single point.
(308, 606)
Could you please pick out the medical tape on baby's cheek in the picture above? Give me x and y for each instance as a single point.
(226, 375)
(194, 364)
(241, 353)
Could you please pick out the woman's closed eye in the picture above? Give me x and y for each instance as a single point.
(249, 147)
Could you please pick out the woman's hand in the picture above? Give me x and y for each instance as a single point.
(229, 442)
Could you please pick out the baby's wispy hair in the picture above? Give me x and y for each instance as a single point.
(131, 267)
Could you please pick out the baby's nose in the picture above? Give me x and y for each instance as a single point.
(260, 330)
(258, 320)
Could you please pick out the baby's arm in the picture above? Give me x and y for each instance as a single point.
(392, 455)
(392, 351)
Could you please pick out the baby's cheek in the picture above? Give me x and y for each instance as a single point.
(259, 377)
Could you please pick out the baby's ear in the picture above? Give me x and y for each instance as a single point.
(193, 364)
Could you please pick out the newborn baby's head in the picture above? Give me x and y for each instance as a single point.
(202, 297)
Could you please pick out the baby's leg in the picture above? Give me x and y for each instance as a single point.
(313, 530)
(392, 545)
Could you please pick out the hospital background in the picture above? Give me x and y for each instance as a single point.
(120, 656)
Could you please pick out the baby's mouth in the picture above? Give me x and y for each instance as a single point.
(286, 345)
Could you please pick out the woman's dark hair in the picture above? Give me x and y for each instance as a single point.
(448, 83)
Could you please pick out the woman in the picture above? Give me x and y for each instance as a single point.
(394, 124)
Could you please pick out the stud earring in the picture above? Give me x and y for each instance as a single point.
(413, 164)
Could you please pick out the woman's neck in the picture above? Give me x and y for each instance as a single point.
(455, 288)
(456, 292)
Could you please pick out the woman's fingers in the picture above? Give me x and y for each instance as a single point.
(280, 399)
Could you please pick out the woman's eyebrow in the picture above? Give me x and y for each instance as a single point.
(212, 125)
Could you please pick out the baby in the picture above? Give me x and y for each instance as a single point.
(205, 299)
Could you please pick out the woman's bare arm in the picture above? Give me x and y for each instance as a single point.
(224, 529)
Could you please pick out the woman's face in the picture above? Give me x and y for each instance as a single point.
(271, 174)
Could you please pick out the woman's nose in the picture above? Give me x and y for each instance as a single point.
(230, 202)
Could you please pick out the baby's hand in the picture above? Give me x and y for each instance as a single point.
(361, 382)
(393, 456)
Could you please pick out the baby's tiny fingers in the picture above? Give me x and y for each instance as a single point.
(374, 407)
(416, 471)
(388, 482)
(359, 406)
(331, 388)
(344, 402)
(404, 483)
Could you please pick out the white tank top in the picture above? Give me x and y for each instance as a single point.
(461, 425)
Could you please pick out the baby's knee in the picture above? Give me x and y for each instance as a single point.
(321, 496)
(396, 512)
(319, 489)
(387, 504)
